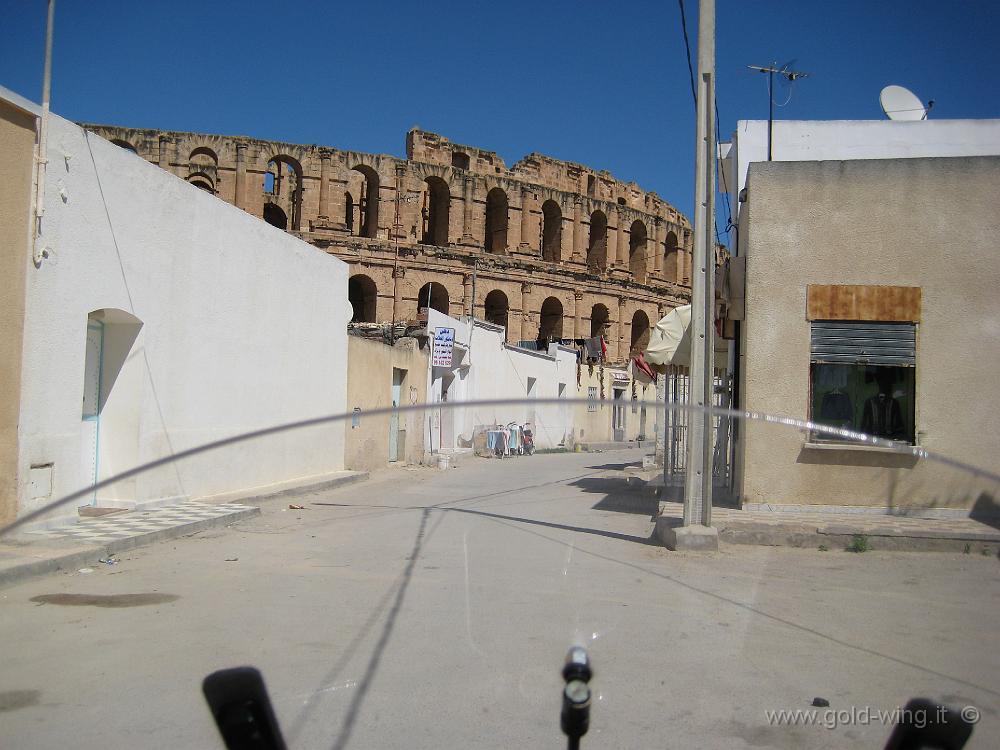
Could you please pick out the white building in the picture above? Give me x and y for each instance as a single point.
(484, 367)
(846, 140)
(172, 317)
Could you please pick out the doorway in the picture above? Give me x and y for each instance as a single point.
(618, 415)
(91, 416)
(395, 447)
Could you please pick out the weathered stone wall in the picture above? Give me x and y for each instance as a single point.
(543, 232)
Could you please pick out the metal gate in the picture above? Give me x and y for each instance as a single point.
(678, 391)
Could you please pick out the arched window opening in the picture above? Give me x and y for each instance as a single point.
(670, 257)
(349, 212)
(637, 263)
(124, 144)
(363, 296)
(550, 323)
(597, 249)
(551, 231)
(434, 296)
(434, 212)
(460, 160)
(274, 216)
(600, 320)
(496, 308)
(203, 181)
(640, 333)
(283, 189)
(363, 183)
(496, 221)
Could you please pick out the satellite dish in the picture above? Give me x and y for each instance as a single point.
(900, 103)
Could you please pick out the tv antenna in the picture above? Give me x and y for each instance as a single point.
(900, 103)
(790, 76)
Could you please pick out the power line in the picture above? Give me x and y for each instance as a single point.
(687, 47)
(694, 98)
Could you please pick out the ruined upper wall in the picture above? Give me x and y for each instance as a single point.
(538, 169)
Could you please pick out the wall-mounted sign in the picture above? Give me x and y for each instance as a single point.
(619, 377)
(444, 342)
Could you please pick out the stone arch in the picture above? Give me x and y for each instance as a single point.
(551, 231)
(637, 261)
(203, 181)
(640, 333)
(434, 212)
(550, 322)
(362, 293)
(125, 145)
(283, 189)
(600, 319)
(597, 247)
(275, 216)
(670, 257)
(364, 185)
(496, 221)
(434, 294)
(349, 211)
(496, 308)
(203, 156)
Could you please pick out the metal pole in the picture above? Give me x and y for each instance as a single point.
(43, 136)
(770, 109)
(698, 487)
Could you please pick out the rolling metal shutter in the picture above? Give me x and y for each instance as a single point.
(836, 341)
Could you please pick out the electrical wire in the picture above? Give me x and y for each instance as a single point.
(687, 48)
(694, 97)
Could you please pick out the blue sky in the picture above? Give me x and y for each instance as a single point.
(605, 84)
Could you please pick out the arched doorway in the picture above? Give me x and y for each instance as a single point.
(640, 333)
(550, 323)
(597, 248)
(496, 308)
(363, 184)
(433, 295)
(496, 221)
(551, 232)
(283, 189)
(600, 319)
(434, 212)
(670, 257)
(274, 216)
(363, 296)
(637, 262)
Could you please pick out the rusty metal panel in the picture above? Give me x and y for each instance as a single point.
(886, 304)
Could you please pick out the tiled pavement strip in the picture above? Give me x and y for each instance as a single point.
(131, 524)
(81, 543)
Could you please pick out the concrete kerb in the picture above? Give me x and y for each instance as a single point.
(69, 561)
(20, 572)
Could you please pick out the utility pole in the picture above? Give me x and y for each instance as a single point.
(790, 75)
(41, 154)
(697, 531)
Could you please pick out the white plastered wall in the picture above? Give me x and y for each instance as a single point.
(497, 371)
(243, 327)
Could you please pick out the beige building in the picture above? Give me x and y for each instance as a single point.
(380, 376)
(871, 304)
(551, 250)
(620, 405)
(17, 147)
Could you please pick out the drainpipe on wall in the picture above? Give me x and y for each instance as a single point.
(41, 156)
